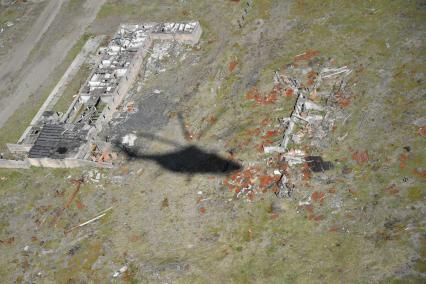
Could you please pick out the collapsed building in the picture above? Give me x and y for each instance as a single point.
(70, 139)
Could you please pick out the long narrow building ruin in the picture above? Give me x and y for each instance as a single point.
(67, 140)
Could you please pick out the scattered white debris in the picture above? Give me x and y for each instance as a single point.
(330, 72)
(273, 149)
(313, 106)
(200, 192)
(308, 202)
(277, 172)
(129, 139)
(120, 271)
(9, 24)
(26, 248)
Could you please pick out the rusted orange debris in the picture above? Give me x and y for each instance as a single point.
(105, 157)
(420, 172)
(274, 216)
(360, 157)
(79, 205)
(266, 181)
(308, 55)
(78, 183)
(289, 92)
(402, 160)
(254, 94)
(392, 189)
(232, 65)
(343, 103)
(422, 131)
(307, 174)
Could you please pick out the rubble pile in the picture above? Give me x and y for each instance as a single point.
(320, 95)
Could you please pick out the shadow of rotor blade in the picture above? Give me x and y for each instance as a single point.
(185, 131)
(159, 139)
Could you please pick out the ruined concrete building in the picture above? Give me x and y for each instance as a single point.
(69, 140)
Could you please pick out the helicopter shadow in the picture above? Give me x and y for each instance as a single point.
(188, 160)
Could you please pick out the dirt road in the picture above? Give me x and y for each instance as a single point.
(18, 56)
(35, 74)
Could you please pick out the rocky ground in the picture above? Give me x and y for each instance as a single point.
(360, 219)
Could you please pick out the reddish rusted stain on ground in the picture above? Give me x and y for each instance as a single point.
(308, 55)
(312, 75)
(211, 119)
(422, 131)
(202, 210)
(260, 148)
(265, 122)
(360, 157)
(135, 238)
(253, 132)
(270, 134)
(250, 195)
(341, 100)
(307, 174)
(232, 65)
(402, 159)
(266, 181)
(392, 190)
(79, 205)
(344, 102)
(316, 217)
(318, 196)
(308, 207)
(254, 94)
(420, 172)
(274, 216)
(270, 99)
(289, 92)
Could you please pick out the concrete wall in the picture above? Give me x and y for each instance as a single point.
(14, 164)
(192, 38)
(18, 148)
(51, 163)
(189, 38)
(65, 163)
